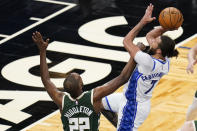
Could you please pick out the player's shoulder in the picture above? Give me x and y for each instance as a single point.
(142, 57)
(88, 93)
(166, 61)
(85, 93)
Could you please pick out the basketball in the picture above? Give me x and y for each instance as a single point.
(170, 18)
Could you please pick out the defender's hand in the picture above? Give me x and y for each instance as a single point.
(37, 38)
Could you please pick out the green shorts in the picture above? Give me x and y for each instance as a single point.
(195, 123)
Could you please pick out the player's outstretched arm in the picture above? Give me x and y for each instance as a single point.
(128, 40)
(192, 59)
(49, 86)
(114, 84)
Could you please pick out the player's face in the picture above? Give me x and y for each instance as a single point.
(152, 51)
(155, 46)
(156, 42)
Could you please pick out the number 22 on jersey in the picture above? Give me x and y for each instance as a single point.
(80, 124)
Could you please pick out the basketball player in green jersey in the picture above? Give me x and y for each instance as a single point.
(79, 110)
(192, 59)
(190, 123)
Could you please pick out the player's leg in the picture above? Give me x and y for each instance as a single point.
(111, 116)
(192, 109)
(111, 107)
(112, 102)
(135, 116)
(195, 125)
(188, 126)
(120, 112)
(143, 110)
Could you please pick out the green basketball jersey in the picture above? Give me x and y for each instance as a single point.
(78, 114)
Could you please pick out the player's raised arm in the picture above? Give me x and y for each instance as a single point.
(117, 82)
(128, 40)
(192, 59)
(152, 36)
(49, 86)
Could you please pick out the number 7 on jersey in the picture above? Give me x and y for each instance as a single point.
(153, 82)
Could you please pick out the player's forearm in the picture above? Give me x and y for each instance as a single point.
(44, 68)
(128, 40)
(122, 78)
(191, 57)
(134, 32)
(158, 31)
(111, 86)
(115, 83)
(48, 84)
(192, 54)
(153, 34)
(127, 71)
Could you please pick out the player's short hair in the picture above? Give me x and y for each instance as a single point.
(71, 85)
(167, 47)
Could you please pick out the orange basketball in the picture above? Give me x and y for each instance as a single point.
(170, 18)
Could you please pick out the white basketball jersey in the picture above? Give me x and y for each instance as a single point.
(145, 77)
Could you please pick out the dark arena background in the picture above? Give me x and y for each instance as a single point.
(85, 37)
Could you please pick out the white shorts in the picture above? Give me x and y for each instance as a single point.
(135, 112)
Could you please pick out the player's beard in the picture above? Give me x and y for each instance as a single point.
(151, 51)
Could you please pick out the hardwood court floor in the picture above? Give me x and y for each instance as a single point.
(170, 101)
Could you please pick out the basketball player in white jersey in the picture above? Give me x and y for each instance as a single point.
(133, 105)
